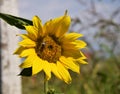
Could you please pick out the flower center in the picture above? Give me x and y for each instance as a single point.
(48, 49)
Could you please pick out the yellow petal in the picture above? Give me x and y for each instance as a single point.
(83, 56)
(68, 45)
(19, 50)
(47, 69)
(50, 26)
(64, 73)
(63, 26)
(54, 69)
(71, 36)
(27, 43)
(70, 64)
(27, 52)
(58, 26)
(24, 36)
(82, 59)
(38, 25)
(28, 62)
(32, 32)
(23, 52)
(79, 44)
(37, 65)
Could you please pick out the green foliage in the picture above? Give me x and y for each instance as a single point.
(102, 77)
(26, 72)
(15, 21)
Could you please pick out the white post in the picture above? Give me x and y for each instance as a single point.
(10, 82)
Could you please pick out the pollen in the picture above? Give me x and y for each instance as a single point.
(48, 49)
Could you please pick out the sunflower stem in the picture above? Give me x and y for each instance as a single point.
(45, 84)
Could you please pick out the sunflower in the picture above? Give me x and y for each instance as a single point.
(51, 49)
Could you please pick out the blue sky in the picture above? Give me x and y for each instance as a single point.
(47, 9)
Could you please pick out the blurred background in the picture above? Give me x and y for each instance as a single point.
(99, 21)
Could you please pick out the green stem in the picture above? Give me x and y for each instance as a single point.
(45, 84)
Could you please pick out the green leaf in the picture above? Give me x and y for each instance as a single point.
(26, 72)
(15, 21)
